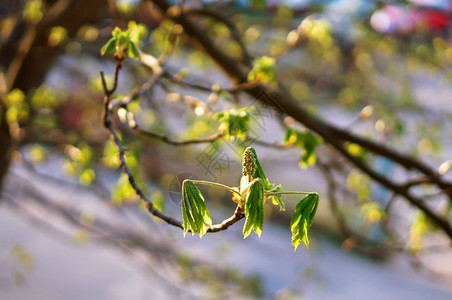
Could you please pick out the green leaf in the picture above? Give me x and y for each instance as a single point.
(109, 47)
(254, 208)
(116, 32)
(306, 141)
(137, 32)
(133, 51)
(195, 213)
(276, 199)
(263, 70)
(234, 122)
(302, 219)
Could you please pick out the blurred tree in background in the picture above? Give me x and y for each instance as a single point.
(355, 89)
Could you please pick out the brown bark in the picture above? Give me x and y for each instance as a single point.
(5, 144)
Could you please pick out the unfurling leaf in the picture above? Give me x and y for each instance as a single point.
(195, 214)
(123, 40)
(254, 208)
(302, 219)
(276, 199)
(304, 140)
(263, 70)
(234, 122)
(133, 51)
(109, 47)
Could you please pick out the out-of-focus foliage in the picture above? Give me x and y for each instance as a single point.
(263, 70)
(234, 123)
(123, 41)
(306, 141)
(335, 59)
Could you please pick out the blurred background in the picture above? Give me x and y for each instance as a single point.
(72, 226)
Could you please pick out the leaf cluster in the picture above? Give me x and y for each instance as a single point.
(305, 140)
(234, 122)
(255, 189)
(125, 40)
(263, 70)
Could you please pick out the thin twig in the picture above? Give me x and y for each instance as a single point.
(107, 114)
(164, 138)
(330, 133)
(231, 25)
(232, 90)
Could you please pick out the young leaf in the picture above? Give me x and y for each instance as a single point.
(109, 47)
(276, 199)
(304, 140)
(302, 219)
(254, 208)
(137, 32)
(116, 32)
(133, 51)
(263, 70)
(234, 122)
(194, 210)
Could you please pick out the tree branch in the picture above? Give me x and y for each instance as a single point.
(331, 134)
(107, 114)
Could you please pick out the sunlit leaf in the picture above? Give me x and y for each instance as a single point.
(116, 33)
(263, 70)
(195, 213)
(133, 51)
(276, 199)
(302, 219)
(254, 208)
(304, 140)
(234, 122)
(109, 47)
(137, 32)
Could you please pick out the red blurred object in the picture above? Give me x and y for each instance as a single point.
(402, 20)
(436, 20)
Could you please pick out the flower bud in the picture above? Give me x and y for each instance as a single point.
(249, 165)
